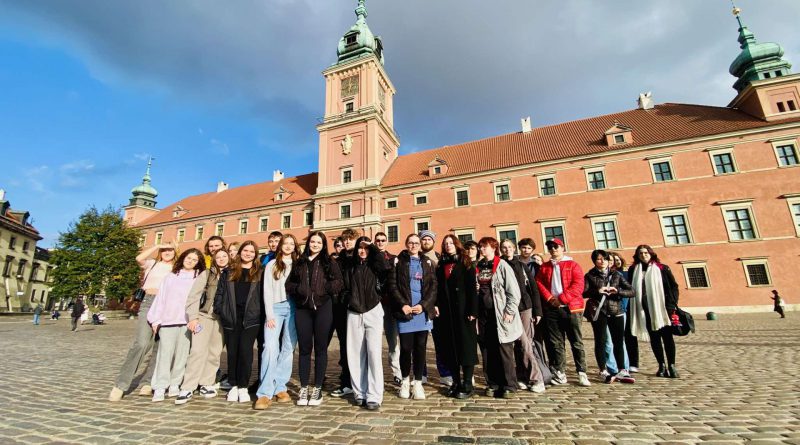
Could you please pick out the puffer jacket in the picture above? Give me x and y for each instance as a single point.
(311, 283)
(361, 278)
(571, 282)
(400, 286)
(613, 305)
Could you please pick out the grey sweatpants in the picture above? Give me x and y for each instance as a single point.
(392, 341)
(527, 367)
(143, 342)
(171, 358)
(364, 347)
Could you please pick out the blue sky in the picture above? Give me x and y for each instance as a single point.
(91, 88)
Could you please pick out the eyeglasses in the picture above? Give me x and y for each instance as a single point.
(380, 240)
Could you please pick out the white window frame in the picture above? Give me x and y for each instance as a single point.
(465, 231)
(675, 211)
(793, 200)
(341, 175)
(217, 228)
(588, 172)
(418, 221)
(199, 231)
(608, 217)
(386, 203)
(738, 205)
(720, 151)
(305, 218)
(497, 184)
(541, 178)
(159, 238)
(142, 240)
(560, 222)
(386, 230)
(753, 261)
(506, 228)
(246, 227)
(349, 205)
(456, 190)
(180, 235)
(660, 160)
(261, 222)
(283, 225)
(420, 195)
(695, 265)
(780, 143)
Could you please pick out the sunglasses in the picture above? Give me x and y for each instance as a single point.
(380, 240)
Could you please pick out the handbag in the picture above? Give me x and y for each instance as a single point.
(139, 294)
(685, 323)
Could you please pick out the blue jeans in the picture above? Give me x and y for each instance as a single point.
(36, 318)
(276, 360)
(611, 362)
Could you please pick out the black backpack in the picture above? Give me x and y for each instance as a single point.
(687, 323)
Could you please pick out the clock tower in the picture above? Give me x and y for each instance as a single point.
(357, 142)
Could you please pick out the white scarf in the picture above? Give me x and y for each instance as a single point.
(655, 301)
(556, 287)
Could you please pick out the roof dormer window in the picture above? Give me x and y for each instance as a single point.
(351, 39)
(619, 134)
(437, 167)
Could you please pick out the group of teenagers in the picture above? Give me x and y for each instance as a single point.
(499, 298)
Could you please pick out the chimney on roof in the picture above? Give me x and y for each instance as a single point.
(2, 195)
(526, 124)
(222, 186)
(277, 175)
(646, 101)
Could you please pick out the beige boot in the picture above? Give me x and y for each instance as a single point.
(115, 395)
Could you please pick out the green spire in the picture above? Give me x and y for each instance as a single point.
(757, 60)
(359, 40)
(144, 194)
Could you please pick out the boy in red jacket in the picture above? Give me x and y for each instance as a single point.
(560, 282)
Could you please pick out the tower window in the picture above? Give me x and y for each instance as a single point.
(767, 76)
(348, 107)
(351, 39)
(347, 176)
(781, 107)
(792, 106)
(778, 74)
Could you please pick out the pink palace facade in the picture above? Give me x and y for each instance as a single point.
(714, 189)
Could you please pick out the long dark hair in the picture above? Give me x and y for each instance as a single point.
(461, 253)
(198, 268)
(323, 257)
(215, 238)
(653, 256)
(279, 267)
(236, 267)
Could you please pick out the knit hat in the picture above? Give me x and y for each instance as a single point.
(427, 233)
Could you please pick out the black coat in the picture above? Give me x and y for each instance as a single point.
(669, 284)
(225, 303)
(529, 290)
(361, 278)
(400, 286)
(312, 283)
(594, 280)
(456, 299)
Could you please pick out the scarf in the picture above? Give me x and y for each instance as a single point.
(556, 286)
(654, 287)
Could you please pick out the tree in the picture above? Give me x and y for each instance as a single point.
(97, 255)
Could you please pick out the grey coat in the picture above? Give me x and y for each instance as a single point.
(506, 295)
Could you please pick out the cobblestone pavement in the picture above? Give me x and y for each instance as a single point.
(738, 384)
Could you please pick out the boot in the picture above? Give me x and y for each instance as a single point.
(672, 372)
(662, 372)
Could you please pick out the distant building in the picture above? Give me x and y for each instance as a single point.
(25, 280)
(715, 190)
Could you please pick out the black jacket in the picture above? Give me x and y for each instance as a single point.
(225, 302)
(527, 286)
(400, 286)
(669, 283)
(361, 278)
(457, 299)
(594, 280)
(312, 283)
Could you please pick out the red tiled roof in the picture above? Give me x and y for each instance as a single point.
(12, 220)
(664, 123)
(238, 198)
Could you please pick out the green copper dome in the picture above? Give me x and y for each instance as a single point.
(144, 194)
(359, 40)
(757, 60)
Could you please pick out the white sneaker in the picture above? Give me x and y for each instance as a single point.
(583, 379)
(244, 395)
(559, 378)
(604, 374)
(158, 395)
(537, 388)
(208, 392)
(405, 388)
(174, 391)
(446, 381)
(419, 391)
(183, 397)
(233, 394)
(521, 385)
(302, 397)
(633, 369)
(316, 397)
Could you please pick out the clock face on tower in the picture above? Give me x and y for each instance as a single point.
(350, 86)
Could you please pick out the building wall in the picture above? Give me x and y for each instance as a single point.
(14, 289)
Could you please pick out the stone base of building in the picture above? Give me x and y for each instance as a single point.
(702, 310)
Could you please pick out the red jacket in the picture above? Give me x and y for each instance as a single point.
(571, 282)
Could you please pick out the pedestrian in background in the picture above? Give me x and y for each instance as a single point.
(37, 314)
(779, 303)
(77, 310)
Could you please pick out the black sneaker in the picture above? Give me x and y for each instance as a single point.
(373, 406)
(316, 397)
(452, 391)
(341, 392)
(183, 397)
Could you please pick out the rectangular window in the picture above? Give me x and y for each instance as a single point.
(263, 224)
(662, 171)
(242, 227)
(308, 218)
(437, 170)
(25, 246)
(12, 243)
(347, 176)
(787, 155)
(181, 235)
(696, 277)
(21, 269)
(464, 237)
(7, 266)
(597, 180)
(393, 234)
(547, 186)
(619, 138)
(509, 235)
(723, 163)
(349, 107)
(796, 216)
(159, 238)
(676, 230)
(420, 199)
(502, 192)
(142, 240)
(606, 235)
(220, 229)
(286, 221)
(552, 232)
(462, 198)
(344, 211)
(792, 106)
(391, 203)
(740, 224)
(781, 107)
(198, 233)
(423, 225)
(33, 295)
(758, 274)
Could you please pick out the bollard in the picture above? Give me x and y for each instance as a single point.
(711, 316)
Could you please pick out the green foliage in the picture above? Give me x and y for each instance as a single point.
(97, 255)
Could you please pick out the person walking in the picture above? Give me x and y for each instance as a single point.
(605, 291)
(457, 300)
(207, 338)
(78, 309)
(779, 303)
(413, 286)
(656, 298)
(37, 314)
(154, 270)
(240, 307)
(561, 286)
(312, 283)
(167, 317)
(280, 333)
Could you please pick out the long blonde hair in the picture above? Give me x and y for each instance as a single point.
(279, 267)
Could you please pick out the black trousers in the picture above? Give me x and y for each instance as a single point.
(631, 342)
(658, 338)
(560, 324)
(313, 329)
(239, 342)
(340, 326)
(498, 358)
(615, 325)
(413, 344)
